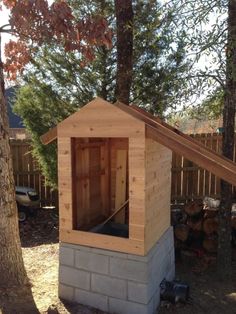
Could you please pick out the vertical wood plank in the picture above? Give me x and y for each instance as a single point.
(121, 175)
(105, 179)
(189, 180)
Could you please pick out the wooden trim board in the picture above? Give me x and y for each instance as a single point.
(198, 156)
(195, 151)
(102, 241)
(191, 140)
(50, 136)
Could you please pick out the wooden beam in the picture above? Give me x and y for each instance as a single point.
(115, 213)
(92, 144)
(186, 146)
(102, 241)
(198, 155)
(50, 136)
(191, 140)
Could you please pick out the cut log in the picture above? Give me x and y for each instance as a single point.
(195, 224)
(179, 245)
(188, 257)
(193, 208)
(182, 232)
(195, 239)
(210, 244)
(210, 225)
(210, 213)
(178, 216)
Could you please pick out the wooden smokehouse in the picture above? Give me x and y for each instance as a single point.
(114, 178)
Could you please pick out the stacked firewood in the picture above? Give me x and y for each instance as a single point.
(196, 225)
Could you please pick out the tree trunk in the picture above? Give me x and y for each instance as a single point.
(124, 24)
(12, 271)
(224, 243)
(104, 60)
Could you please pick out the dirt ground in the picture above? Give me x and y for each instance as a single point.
(39, 238)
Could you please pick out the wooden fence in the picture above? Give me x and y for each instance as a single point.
(189, 181)
(27, 173)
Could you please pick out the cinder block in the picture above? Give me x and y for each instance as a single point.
(139, 258)
(160, 268)
(76, 246)
(66, 256)
(171, 274)
(109, 286)
(172, 256)
(109, 253)
(166, 266)
(65, 292)
(114, 282)
(92, 299)
(92, 262)
(168, 238)
(73, 277)
(129, 269)
(156, 300)
(160, 251)
(140, 293)
(117, 306)
(164, 249)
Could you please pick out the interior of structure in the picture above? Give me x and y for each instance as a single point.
(100, 185)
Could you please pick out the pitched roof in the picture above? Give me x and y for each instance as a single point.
(176, 141)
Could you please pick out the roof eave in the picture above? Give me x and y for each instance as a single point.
(49, 136)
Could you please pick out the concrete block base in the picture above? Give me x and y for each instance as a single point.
(114, 282)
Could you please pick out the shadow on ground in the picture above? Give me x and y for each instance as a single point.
(208, 294)
(74, 308)
(40, 229)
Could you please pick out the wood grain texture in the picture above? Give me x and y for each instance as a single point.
(65, 183)
(156, 121)
(105, 179)
(121, 175)
(88, 122)
(157, 188)
(207, 160)
(90, 181)
(115, 145)
(202, 182)
(191, 149)
(50, 136)
(102, 241)
(100, 118)
(137, 188)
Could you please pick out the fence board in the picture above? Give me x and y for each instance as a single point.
(192, 182)
(27, 172)
(188, 180)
